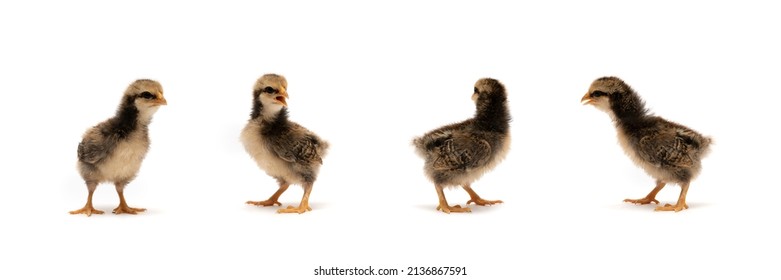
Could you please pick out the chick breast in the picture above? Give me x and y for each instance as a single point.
(109, 157)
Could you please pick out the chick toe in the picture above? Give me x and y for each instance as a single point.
(127, 210)
(86, 210)
(265, 203)
(290, 209)
(453, 209)
(642, 201)
(483, 202)
(669, 207)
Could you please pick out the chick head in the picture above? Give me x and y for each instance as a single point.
(602, 90)
(271, 91)
(147, 95)
(487, 89)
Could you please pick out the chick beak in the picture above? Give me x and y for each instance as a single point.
(586, 99)
(282, 98)
(162, 101)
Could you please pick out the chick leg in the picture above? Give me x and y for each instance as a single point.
(681, 201)
(651, 197)
(88, 209)
(443, 203)
(303, 206)
(476, 198)
(274, 199)
(123, 208)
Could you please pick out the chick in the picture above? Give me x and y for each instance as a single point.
(113, 150)
(285, 150)
(667, 151)
(460, 153)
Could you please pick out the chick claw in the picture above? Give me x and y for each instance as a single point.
(265, 203)
(670, 207)
(642, 201)
(454, 209)
(291, 209)
(127, 210)
(483, 202)
(87, 211)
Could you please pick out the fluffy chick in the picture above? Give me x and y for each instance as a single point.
(669, 152)
(460, 153)
(285, 150)
(113, 150)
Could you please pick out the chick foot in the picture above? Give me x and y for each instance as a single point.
(669, 207)
(642, 201)
(475, 198)
(291, 209)
(127, 210)
(680, 205)
(483, 202)
(265, 203)
(87, 210)
(453, 209)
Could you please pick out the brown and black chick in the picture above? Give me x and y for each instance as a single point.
(113, 150)
(667, 151)
(460, 153)
(285, 150)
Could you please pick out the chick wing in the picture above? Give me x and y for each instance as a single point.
(94, 147)
(459, 151)
(668, 148)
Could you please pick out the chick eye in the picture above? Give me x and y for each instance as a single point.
(147, 95)
(269, 90)
(598, 94)
(476, 90)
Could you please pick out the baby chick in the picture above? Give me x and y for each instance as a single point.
(667, 151)
(113, 150)
(286, 151)
(459, 154)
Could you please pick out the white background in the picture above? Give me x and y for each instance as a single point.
(368, 77)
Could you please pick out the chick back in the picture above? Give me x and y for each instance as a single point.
(459, 154)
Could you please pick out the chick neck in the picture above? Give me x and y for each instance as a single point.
(273, 118)
(628, 110)
(276, 124)
(265, 112)
(127, 118)
(492, 114)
